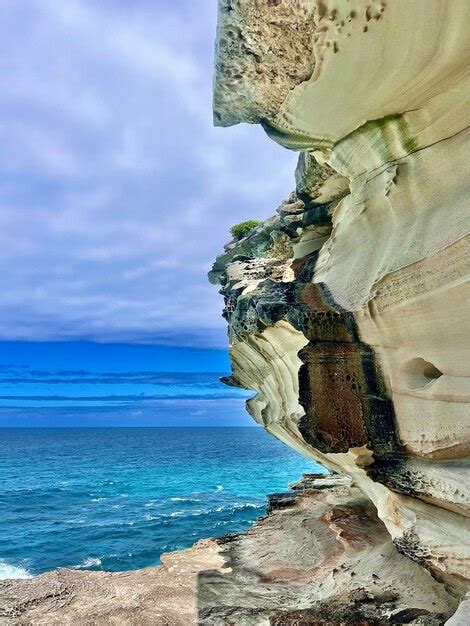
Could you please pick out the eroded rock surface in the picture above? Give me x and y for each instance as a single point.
(348, 310)
(263, 51)
(320, 557)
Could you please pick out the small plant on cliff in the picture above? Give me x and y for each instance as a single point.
(241, 230)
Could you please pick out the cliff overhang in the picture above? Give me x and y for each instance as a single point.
(348, 310)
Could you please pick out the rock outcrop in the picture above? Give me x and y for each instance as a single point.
(320, 557)
(348, 311)
(348, 315)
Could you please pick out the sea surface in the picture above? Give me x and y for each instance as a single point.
(116, 498)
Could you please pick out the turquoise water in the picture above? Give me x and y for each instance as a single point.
(116, 498)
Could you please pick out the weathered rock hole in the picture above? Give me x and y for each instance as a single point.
(420, 373)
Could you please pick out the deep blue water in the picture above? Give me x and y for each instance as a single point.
(116, 498)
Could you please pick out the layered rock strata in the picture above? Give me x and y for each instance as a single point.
(320, 557)
(348, 310)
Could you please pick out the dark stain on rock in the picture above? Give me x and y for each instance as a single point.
(341, 387)
(331, 396)
(408, 545)
(406, 616)
(396, 473)
(360, 608)
(410, 476)
(278, 501)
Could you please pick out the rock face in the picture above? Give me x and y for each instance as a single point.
(348, 310)
(348, 315)
(321, 557)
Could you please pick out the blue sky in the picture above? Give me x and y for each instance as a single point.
(115, 190)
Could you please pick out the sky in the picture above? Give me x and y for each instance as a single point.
(116, 192)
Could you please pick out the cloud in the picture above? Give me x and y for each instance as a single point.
(116, 192)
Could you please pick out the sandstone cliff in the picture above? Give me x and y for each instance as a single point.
(348, 310)
(347, 313)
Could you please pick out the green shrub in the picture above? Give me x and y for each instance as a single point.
(241, 230)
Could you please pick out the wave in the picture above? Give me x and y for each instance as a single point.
(13, 571)
(189, 500)
(91, 561)
(229, 508)
(248, 505)
(236, 506)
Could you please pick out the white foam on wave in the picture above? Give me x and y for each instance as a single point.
(13, 571)
(88, 562)
(227, 508)
(248, 505)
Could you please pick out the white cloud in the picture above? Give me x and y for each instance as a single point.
(116, 193)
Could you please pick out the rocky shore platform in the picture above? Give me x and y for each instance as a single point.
(320, 556)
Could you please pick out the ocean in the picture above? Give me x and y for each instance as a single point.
(116, 498)
(120, 453)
